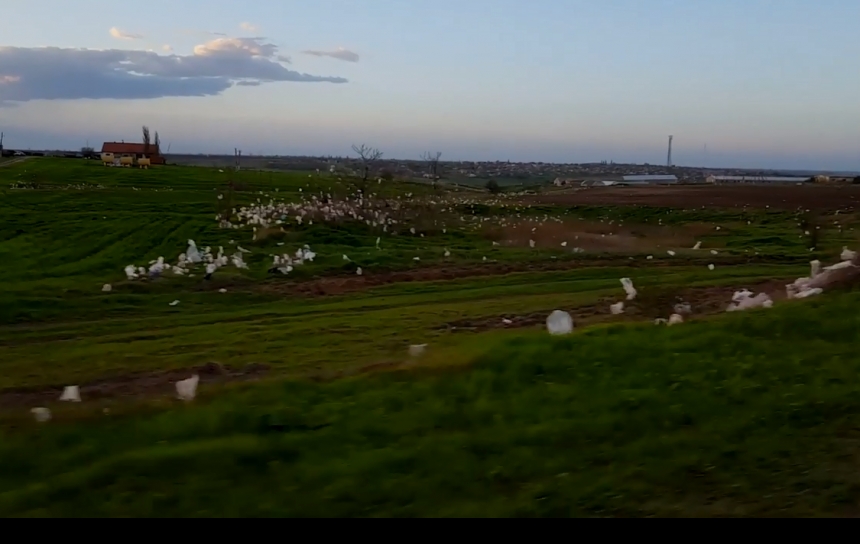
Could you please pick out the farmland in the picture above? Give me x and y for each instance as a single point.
(309, 404)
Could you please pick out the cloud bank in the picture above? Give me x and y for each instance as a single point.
(340, 54)
(54, 73)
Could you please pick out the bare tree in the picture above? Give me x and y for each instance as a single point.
(157, 143)
(432, 160)
(368, 156)
(146, 140)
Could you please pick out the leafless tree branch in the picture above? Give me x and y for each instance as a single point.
(368, 156)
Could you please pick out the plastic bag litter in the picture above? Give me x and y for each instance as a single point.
(741, 295)
(192, 254)
(809, 293)
(187, 389)
(107, 288)
(683, 308)
(762, 300)
(42, 415)
(617, 309)
(814, 268)
(71, 394)
(174, 303)
(559, 323)
(675, 319)
(847, 254)
(417, 350)
(631, 291)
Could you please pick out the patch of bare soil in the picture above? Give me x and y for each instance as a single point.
(147, 384)
(791, 197)
(650, 304)
(592, 236)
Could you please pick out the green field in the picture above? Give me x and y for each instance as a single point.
(727, 415)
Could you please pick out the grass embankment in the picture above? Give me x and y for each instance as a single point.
(739, 415)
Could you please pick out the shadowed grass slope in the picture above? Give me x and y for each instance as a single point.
(753, 414)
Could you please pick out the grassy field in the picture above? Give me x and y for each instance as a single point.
(727, 415)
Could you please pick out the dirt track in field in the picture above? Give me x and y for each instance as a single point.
(133, 385)
(658, 303)
(784, 197)
(339, 285)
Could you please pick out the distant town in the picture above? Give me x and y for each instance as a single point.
(472, 173)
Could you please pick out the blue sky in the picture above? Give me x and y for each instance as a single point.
(761, 83)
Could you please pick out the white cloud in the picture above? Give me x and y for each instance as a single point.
(167, 48)
(120, 35)
(340, 54)
(54, 73)
(248, 27)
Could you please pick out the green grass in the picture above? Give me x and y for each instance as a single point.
(735, 415)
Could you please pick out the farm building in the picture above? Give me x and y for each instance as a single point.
(138, 151)
(595, 183)
(649, 179)
(755, 179)
(563, 182)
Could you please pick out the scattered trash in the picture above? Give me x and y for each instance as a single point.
(174, 303)
(683, 308)
(187, 389)
(71, 394)
(698, 245)
(617, 309)
(417, 350)
(358, 271)
(675, 319)
(745, 301)
(809, 293)
(222, 290)
(661, 321)
(847, 254)
(671, 253)
(627, 284)
(815, 268)
(107, 288)
(507, 322)
(43, 415)
(559, 323)
(711, 267)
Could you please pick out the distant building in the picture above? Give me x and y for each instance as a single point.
(595, 183)
(655, 178)
(756, 179)
(137, 151)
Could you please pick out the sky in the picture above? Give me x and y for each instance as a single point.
(738, 83)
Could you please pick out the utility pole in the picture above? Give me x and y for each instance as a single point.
(669, 158)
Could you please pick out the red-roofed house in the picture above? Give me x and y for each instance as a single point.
(137, 151)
